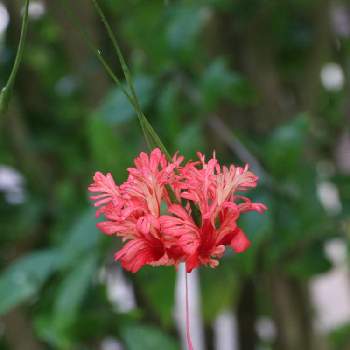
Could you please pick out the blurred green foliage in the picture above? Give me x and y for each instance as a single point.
(202, 69)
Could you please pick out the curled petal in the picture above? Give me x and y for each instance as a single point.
(107, 189)
(192, 262)
(219, 251)
(240, 242)
(124, 229)
(137, 253)
(108, 227)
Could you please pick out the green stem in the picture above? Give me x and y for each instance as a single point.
(152, 138)
(5, 93)
(122, 61)
(97, 53)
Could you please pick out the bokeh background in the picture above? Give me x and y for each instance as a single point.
(260, 81)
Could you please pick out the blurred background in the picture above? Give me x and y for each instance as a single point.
(260, 81)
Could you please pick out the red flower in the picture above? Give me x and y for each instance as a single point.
(197, 232)
(212, 189)
(132, 211)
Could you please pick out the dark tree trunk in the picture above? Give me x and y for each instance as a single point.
(246, 315)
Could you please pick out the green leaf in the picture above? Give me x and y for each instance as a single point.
(158, 286)
(190, 140)
(220, 83)
(185, 26)
(258, 228)
(107, 147)
(147, 338)
(82, 238)
(170, 107)
(56, 328)
(222, 282)
(72, 290)
(285, 147)
(116, 107)
(339, 338)
(23, 279)
(256, 225)
(310, 262)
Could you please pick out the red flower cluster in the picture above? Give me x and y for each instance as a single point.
(170, 213)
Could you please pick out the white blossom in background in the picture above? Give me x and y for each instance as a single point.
(225, 332)
(195, 315)
(36, 9)
(4, 18)
(330, 292)
(119, 290)
(340, 19)
(329, 197)
(336, 251)
(332, 76)
(266, 329)
(12, 185)
(111, 343)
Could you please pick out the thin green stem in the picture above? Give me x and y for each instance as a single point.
(5, 94)
(97, 53)
(152, 138)
(109, 71)
(118, 51)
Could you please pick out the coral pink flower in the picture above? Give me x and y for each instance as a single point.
(213, 190)
(199, 218)
(132, 211)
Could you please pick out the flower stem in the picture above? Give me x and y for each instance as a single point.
(120, 56)
(5, 93)
(152, 138)
(97, 52)
(188, 335)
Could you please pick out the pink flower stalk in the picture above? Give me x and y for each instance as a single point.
(168, 213)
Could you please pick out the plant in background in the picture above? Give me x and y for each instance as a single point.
(205, 86)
